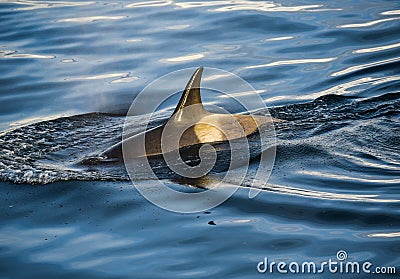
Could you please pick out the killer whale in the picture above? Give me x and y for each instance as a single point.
(195, 125)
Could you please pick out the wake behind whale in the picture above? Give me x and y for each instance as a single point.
(335, 130)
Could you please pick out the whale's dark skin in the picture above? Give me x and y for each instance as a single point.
(201, 127)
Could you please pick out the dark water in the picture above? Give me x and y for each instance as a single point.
(69, 71)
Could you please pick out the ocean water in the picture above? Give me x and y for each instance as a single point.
(69, 72)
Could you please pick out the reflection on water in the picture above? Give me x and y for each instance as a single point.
(278, 39)
(136, 40)
(291, 62)
(149, 4)
(367, 24)
(90, 19)
(242, 5)
(177, 27)
(14, 54)
(33, 5)
(105, 76)
(364, 66)
(287, 190)
(378, 48)
(329, 69)
(189, 57)
(393, 234)
(394, 12)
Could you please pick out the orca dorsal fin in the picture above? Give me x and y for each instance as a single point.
(190, 96)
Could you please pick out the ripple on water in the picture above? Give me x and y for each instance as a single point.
(184, 58)
(377, 48)
(243, 5)
(34, 5)
(90, 19)
(367, 24)
(15, 54)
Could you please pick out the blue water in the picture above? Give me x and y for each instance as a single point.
(330, 69)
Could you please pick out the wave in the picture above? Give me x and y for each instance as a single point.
(349, 142)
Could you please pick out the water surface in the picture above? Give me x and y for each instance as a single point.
(69, 71)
